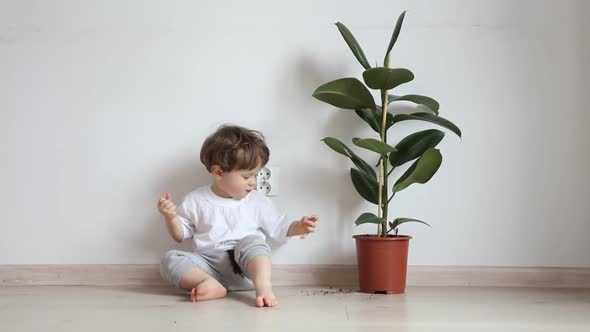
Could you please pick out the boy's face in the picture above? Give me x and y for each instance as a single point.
(237, 183)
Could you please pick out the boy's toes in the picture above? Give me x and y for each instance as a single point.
(266, 301)
(270, 301)
(197, 293)
(208, 290)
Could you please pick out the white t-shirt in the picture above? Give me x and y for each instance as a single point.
(217, 223)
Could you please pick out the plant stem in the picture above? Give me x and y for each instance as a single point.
(383, 190)
(381, 211)
(383, 193)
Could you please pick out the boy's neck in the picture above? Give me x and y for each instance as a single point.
(217, 191)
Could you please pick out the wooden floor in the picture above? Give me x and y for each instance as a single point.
(308, 309)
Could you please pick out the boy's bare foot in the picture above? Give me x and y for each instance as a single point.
(209, 289)
(264, 296)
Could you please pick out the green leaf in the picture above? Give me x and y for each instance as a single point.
(367, 187)
(373, 118)
(430, 118)
(396, 31)
(382, 78)
(432, 104)
(353, 44)
(337, 146)
(364, 167)
(414, 145)
(398, 221)
(347, 93)
(369, 218)
(344, 150)
(421, 170)
(368, 115)
(373, 145)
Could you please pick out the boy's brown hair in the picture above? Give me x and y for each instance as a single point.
(234, 148)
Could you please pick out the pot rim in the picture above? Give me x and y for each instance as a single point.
(373, 237)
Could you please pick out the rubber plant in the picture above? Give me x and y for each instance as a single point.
(420, 147)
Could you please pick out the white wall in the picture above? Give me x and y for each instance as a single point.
(104, 106)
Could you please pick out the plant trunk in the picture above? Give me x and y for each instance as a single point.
(383, 189)
(384, 163)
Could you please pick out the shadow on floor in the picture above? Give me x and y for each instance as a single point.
(246, 297)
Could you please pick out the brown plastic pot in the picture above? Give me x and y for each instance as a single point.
(382, 263)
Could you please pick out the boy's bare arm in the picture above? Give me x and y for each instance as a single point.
(303, 227)
(174, 228)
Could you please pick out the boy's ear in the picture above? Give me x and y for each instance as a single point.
(217, 172)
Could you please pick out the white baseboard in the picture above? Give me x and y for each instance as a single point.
(310, 275)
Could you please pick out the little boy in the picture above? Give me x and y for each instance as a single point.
(228, 223)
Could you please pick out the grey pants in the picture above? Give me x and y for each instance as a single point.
(218, 264)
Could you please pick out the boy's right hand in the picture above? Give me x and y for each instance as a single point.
(166, 207)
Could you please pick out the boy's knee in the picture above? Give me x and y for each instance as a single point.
(168, 258)
(168, 264)
(251, 243)
(250, 247)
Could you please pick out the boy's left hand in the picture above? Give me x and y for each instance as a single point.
(307, 225)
